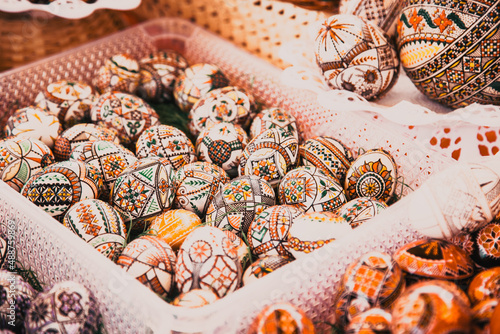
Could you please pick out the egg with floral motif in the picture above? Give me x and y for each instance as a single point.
(273, 118)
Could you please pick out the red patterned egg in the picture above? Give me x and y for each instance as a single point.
(195, 298)
(282, 318)
(373, 321)
(485, 285)
(119, 73)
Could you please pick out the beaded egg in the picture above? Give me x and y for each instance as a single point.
(268, 232)
(359, 210)
(222, 144)
(167, 142)
(143, 190)
(68, 307)
(196, 81)
(237, 203)
(20, 158)
(449, 49)
(272, 118)
(174, 226)
(328, 154)
(195, 298)
(264, 266)
(228, 104)
(119, 73)
(373, 174)
(151, 261)
(16, 296)
(79, 134)
(34, 122)
(484, 285)
(127, 114)
(57, 187)
(355, 55)
(158, 73)
(208, 260)
(99, 225)
(373, 321)
(486, 247)
(311, 189)
(281, 318)
(70, 101)
(196, 185)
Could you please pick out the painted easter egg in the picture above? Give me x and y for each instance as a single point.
(360, 210)
(382, 13)
(486, 249)
(158, 73)
(450, 50)
(484, 285)
(127, 114)
(495, 320)
(373, 321)
(282, 318)
(311, 189)
(174, 226)
(57, 187)
(79, 134)
(268, 232)
(195, 298)
(264, 266)
(68, 307)
(482, 314)
(167, 142)
(119, 73)
(355, 55)
(70, 101)
(16, 297)
(34, 122)
(20, 158)
(99, 225)
(208, 260)
(273, 118)
(237, 203)
(195, 82)
(152, 262)
(373, 174)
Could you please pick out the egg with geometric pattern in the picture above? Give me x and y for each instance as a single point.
(360, 210)
(273, 118)
(120, 73)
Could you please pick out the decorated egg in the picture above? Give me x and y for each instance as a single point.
(57, 187)
(312, 230)
(431, 307)
(143, 190)
(311, 189)
(449, 50)
(359, 210)
(20, 158)
(195, 82)
(268, 232)
(79, 134)
(495, 320)
(382, 13)
(373, 174)
(482, 314)
(167, 142)
(328, 154)
(222, 144)
(237, 203)
(281, 318)
(263, 266)
(158, 73)
(373, 321)
(109, 158)
(355, 55)
(434, 258)
(127, 114)
(273, 118)
(484, 285)
(99, 225)
(242, 249)
(119, 73)
(16, 297)
(486, 250)
(174, 226)
(196, 185)
(70, 101)
(195, 298)
(228, 104)
(208, 260)
(152, 262)
(68, 307)
(34, 122)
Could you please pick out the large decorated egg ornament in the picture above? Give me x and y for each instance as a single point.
(450, 50)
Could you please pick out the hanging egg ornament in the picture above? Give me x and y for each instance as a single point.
(79, 134)
(158, 73)
(127, 114)
(450, 50)
(282, 318)
(264, 266)
(486, 250)
(99, 225)
(236, 204)
(208, 260)
(151, 261)
(355, 55)
(195, 298)
(273, 118)
(20, 158)
(484, 285)
(195, 82)
(70, 101)
(373, 174)
(360, 210)
(373, 321)
(34, 122)
(119, 73)
(16, 298)
(311, 189)
(174, 226)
